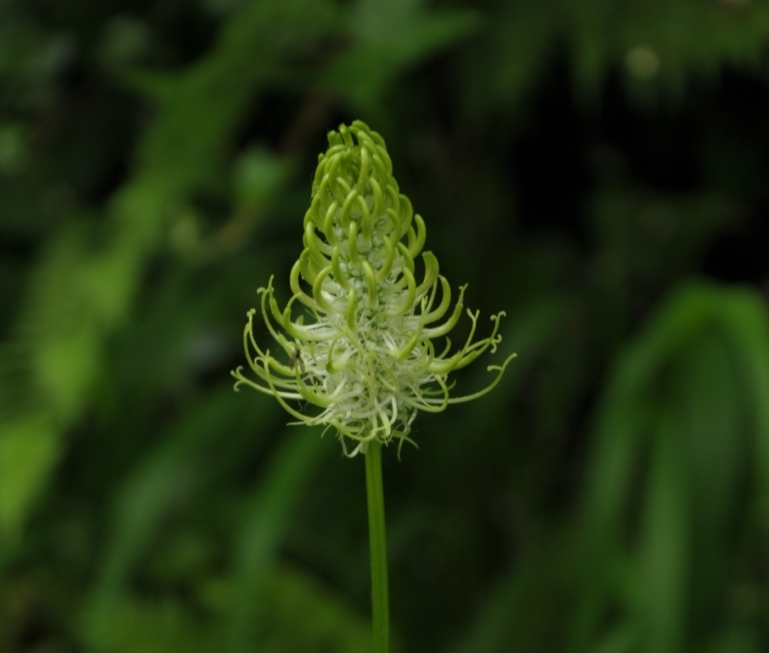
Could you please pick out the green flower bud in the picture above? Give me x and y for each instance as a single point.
(367, 359)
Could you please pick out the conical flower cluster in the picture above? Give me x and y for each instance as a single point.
(366, 359)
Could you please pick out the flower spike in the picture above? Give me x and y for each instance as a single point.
(365, 362)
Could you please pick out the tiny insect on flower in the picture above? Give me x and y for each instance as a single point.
(296, 357)
(367, 358)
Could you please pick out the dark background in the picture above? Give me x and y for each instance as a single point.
(595, 168)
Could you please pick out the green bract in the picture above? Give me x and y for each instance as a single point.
(367, 360)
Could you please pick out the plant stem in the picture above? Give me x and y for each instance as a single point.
(376, 531)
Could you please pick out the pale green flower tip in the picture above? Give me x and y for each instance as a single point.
(366, 361)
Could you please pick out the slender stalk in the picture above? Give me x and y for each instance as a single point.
(376, 531)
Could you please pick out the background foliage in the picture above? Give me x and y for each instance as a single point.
(595, 168)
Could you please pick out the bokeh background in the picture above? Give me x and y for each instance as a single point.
(596, 168)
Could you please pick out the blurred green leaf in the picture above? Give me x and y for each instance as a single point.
(268, 515)
(28, 451)
(697, 459)
(302, 616)
(160, 626)
(390, 38)
(258, 177)
(664, 561)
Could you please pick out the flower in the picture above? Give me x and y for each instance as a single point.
(366, 360)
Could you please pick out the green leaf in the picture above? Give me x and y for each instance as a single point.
(268, 515)
(29, 450)
(389, 39)
(692, 391)
(663, 566)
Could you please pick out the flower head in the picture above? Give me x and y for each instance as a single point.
(366, 360)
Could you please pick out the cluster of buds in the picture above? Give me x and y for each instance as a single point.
(366, 359)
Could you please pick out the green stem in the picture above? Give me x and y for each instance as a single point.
(376, 530)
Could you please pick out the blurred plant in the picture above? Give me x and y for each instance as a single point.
(588, 157)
